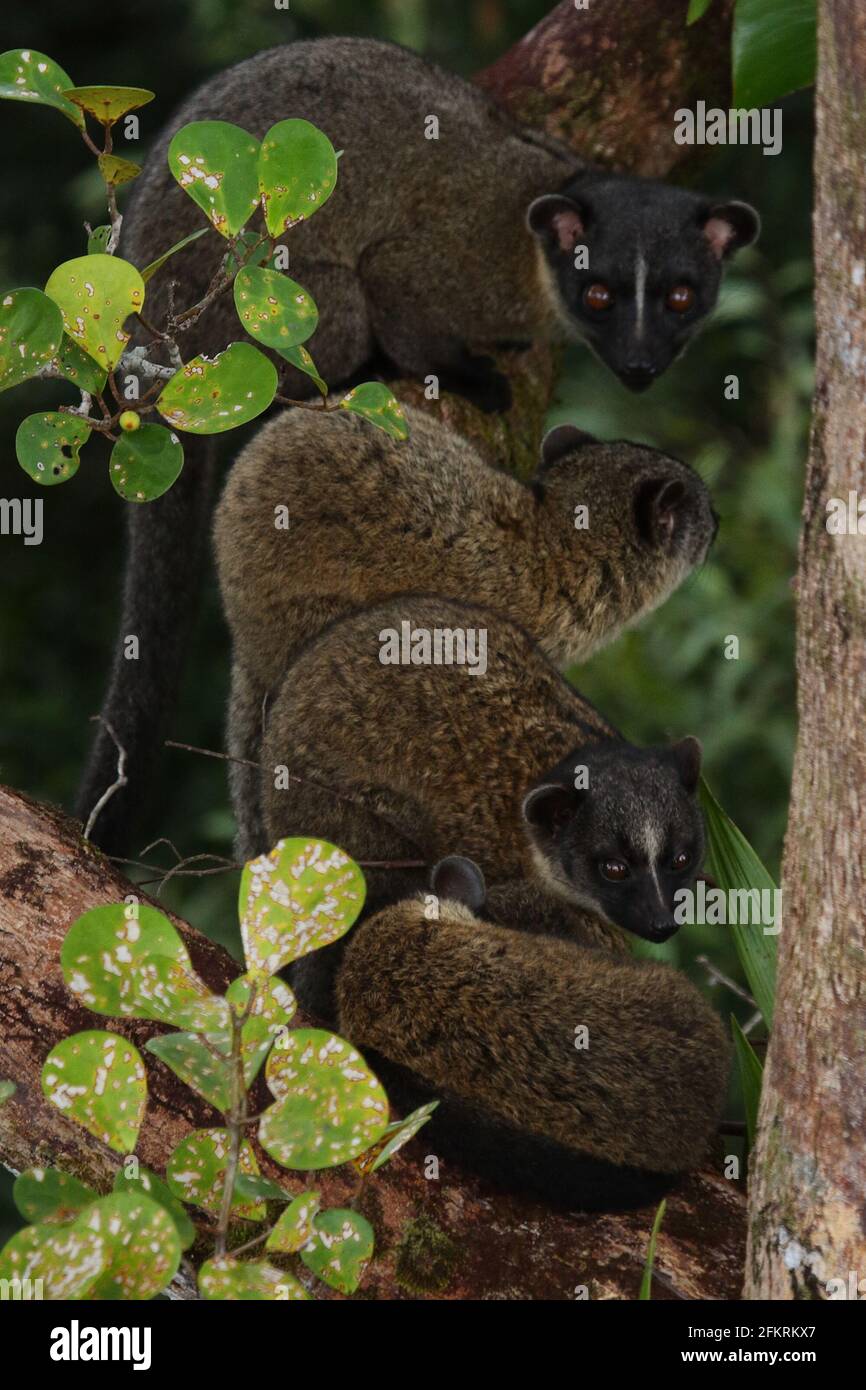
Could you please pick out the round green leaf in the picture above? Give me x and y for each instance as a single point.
(108, 104)
(394, 1137)
(295, 1226)
(212, 394)
(26, 75)
(233, 1280)
(196, 1172)
(96, 294)
(297, 173)
(300, 358)
(330, 1107)
(149, 1184)
(215, 163)
(142, 1243)
(46, 1194)
(303, 895)
(116, 171)
(31, 330)
(68, 1261)
(340, 1246)
(79, 367)
(260, 1189)
(165, 991)
(145, 463)
(273, 309)
(189, 1058)
(97, 241)
(98, 1080)
(47, 446)
(377, 404)
(102, 947)
(274, 1008)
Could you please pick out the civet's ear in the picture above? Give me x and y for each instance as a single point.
(547, 808)
(562, 440)
(657, 505)
(729, 227)
(558, 221)
(460, 880)
(686, 756)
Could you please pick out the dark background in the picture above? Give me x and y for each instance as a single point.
(668, 678)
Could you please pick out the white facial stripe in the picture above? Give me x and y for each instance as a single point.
(652, 841)
(640, 269)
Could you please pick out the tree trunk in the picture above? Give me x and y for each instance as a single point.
(809, 1167)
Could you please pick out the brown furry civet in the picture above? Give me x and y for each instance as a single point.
(600, 537)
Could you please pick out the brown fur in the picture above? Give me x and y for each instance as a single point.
(489, 1015)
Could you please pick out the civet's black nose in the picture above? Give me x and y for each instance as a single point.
(638, 375)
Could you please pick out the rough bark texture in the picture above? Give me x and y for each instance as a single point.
(808, 1220)
(454, 1238)
(607, 79)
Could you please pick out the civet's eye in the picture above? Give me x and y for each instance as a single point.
(598, 297)
(680, 862)
(613, 869)
(680, 298)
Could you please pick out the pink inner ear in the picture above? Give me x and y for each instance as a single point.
(568, 226)
(719, 233)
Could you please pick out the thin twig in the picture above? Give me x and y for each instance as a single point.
(120, 780)
(717, 977)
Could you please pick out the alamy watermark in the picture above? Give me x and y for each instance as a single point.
(434, 646)
(736, 126)
(719, 907)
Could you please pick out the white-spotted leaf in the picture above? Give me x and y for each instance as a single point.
(232, 1280)
(48, 446)
(96, 295)
(102, 947)
(295, 1226)
(31, 331)
(374, 402)
(145, 464)
(211, 394)
(330, 1107)
(142, 1243)
(339, 1248)
(301, 896)
(26, 75)
(98, 1079)
(148, 1184)
(393, 1139)
(274, 310)
(196, 1172)
(66, 1260)
(189, 1058)
(297, 173)
(47, 1194)
(272, 1011)
(215, 163)
(163, 990)
(78, 366)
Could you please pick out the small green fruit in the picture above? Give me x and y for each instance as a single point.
(130, 420)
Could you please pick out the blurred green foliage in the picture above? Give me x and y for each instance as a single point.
(666, 678)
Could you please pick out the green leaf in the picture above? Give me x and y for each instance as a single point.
(341, 1244)
(47, 1194)
(774, 49)
(148, 1184)
(145, 463)
(300, 897)
(227, 1279)
(215, 163)
(108, 104)
(297, 173)
(295, 1226)
(142, 1244)
(751, 1076)
(97, 241)
(260, 1189)
(212, 394)
(96, 295)
(7, 1091)
(647, 1279)
(98, 1080)
(189, 1058)
(377, 404)
(31, 330)
(274, 1008)
(735, 867)
(79, 367)
(47, 446)
(697, 10)
(196, 1172)
(102, 947)
(273, 309)
(241, 252)
(330, 1107)
(160, 261)
(116, 171)
(300, 358)
(168, 993)
(67, 1259)
(393, 1139)
(26, 75)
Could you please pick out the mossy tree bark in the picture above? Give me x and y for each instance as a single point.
(808, 1221)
